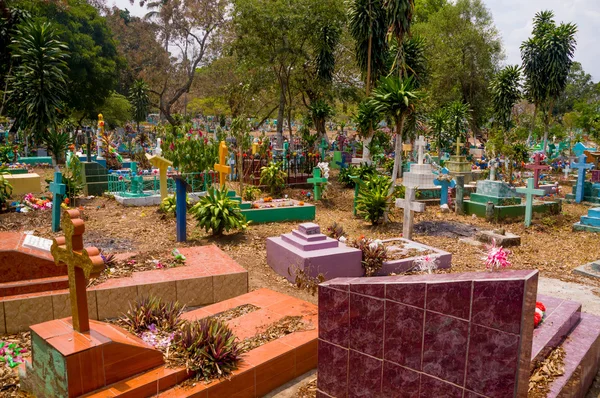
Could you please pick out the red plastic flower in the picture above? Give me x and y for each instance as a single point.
(537, 318)
(540, 305)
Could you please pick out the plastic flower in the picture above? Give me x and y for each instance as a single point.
(343, 239)
(425, 264)
(497, 257)
(540, 312)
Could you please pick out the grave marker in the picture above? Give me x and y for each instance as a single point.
(82, 263)
(181, 209)
(444, 181)
(358, 183)
(58, 190)
(529, 192)
(35, 242)
(458, 146)
(162, 165)
(581, 167)
(536, 166)
(222, 167)
(566, 171)
(420, 144)
(342, 163)
(493, 164)
(409, 205)
(317, 180)
(323, 146)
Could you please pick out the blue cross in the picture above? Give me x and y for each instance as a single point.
(343, 163)
(581, 167)
(445, 184)
(58, 190)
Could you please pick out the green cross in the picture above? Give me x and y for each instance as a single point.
(530, 191)
(317, 180)
(323, 147)
(358, 183)
(58, 190)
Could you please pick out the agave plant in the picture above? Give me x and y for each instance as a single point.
(217, 212)
(208, 347)
(374, 198)
(152, 312)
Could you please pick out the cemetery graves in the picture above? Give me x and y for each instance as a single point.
(589, 222)
(459, 165)
(277, 210)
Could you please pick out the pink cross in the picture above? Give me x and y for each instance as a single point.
(536, 166)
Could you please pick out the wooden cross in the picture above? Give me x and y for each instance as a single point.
(529, 192)
(581, 167)
(458, 146)
(536, 166)
(222, 167)
(317, 180)
(81, 263)
(58, 190)
(420, 144)
(409, 205)
(445, 183)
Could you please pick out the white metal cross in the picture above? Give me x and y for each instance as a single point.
(567, 170)
(420, 143)
(409, 205)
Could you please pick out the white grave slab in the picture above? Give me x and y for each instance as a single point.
(35, 242)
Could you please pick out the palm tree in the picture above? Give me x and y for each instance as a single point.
(506, 92)
(38, 86)
(399, 14)
(140, 102)
(396, 98)
(368, 27)
(439, 124)
(458, 119)
(367, 117)
(547, 58)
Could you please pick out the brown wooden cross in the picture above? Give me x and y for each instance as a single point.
(81, 263)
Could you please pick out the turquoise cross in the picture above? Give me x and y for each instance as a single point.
(529, 192)
(58, 190)
(581, 167)
(317, 180)
(445, 184)
(358, 183)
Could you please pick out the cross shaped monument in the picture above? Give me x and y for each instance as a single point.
(529, 192)
(581, 167)
(566, 170)
(317, 180)
(420, 144)
(536, 166)
(458, 146)
(162, 165)
(81, 263)
(323, 146)
(493, 164)
(445, 181)
(409, 205)
(58, 190)
(358, 183)
(342, 162)
(222, 167)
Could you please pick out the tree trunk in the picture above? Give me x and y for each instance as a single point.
(366, 158)
(281, 115)
(368, 85)
(398, 149)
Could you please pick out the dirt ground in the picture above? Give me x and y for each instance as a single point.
(549, 245)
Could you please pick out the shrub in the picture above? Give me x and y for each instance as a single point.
(335, 230)
(373, 198)
(251, 193)
(374, 254)
(273, 177)
(169, 204)
(208, 348)
(148, 311)
(5, 188)
(363, 171)
(217, 212)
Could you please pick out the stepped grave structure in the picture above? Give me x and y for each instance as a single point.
(590, 223)
(458, 165)
(421, 174)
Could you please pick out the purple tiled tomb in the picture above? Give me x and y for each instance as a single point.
(314, 253)
(447, 335)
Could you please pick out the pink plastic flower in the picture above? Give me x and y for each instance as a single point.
(497, 257)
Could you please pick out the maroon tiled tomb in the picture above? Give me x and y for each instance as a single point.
(448, 335)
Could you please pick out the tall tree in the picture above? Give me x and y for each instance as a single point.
(506, 92)
(547, 59)
(400, 15)
(140, 102)
(37, 88)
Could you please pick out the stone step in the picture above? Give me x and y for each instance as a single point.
(561, 318)
(147, 384)
(34, 285)
(592, 221)
(309, 238)
(309, 246)
(582, 360)
(594, 213)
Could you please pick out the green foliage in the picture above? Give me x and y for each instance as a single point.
(273, 177)
(251, 193)
(169, 204)
(208, 347)
(5, 188)
(364, 172)
(506, 92)
(374, 254)
(366, 118)
(37, 87)
(116, 110)
(147, 311)
(217, 212)
(140, 102)
(189, 153)
(374, 198)
(56, 142)
(73, 179)
(458, 119)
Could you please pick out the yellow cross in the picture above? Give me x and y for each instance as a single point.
(81, 263)
(458, 146)
(222, 167)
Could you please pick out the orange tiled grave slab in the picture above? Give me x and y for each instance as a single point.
(262, 369)
(34, 290)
